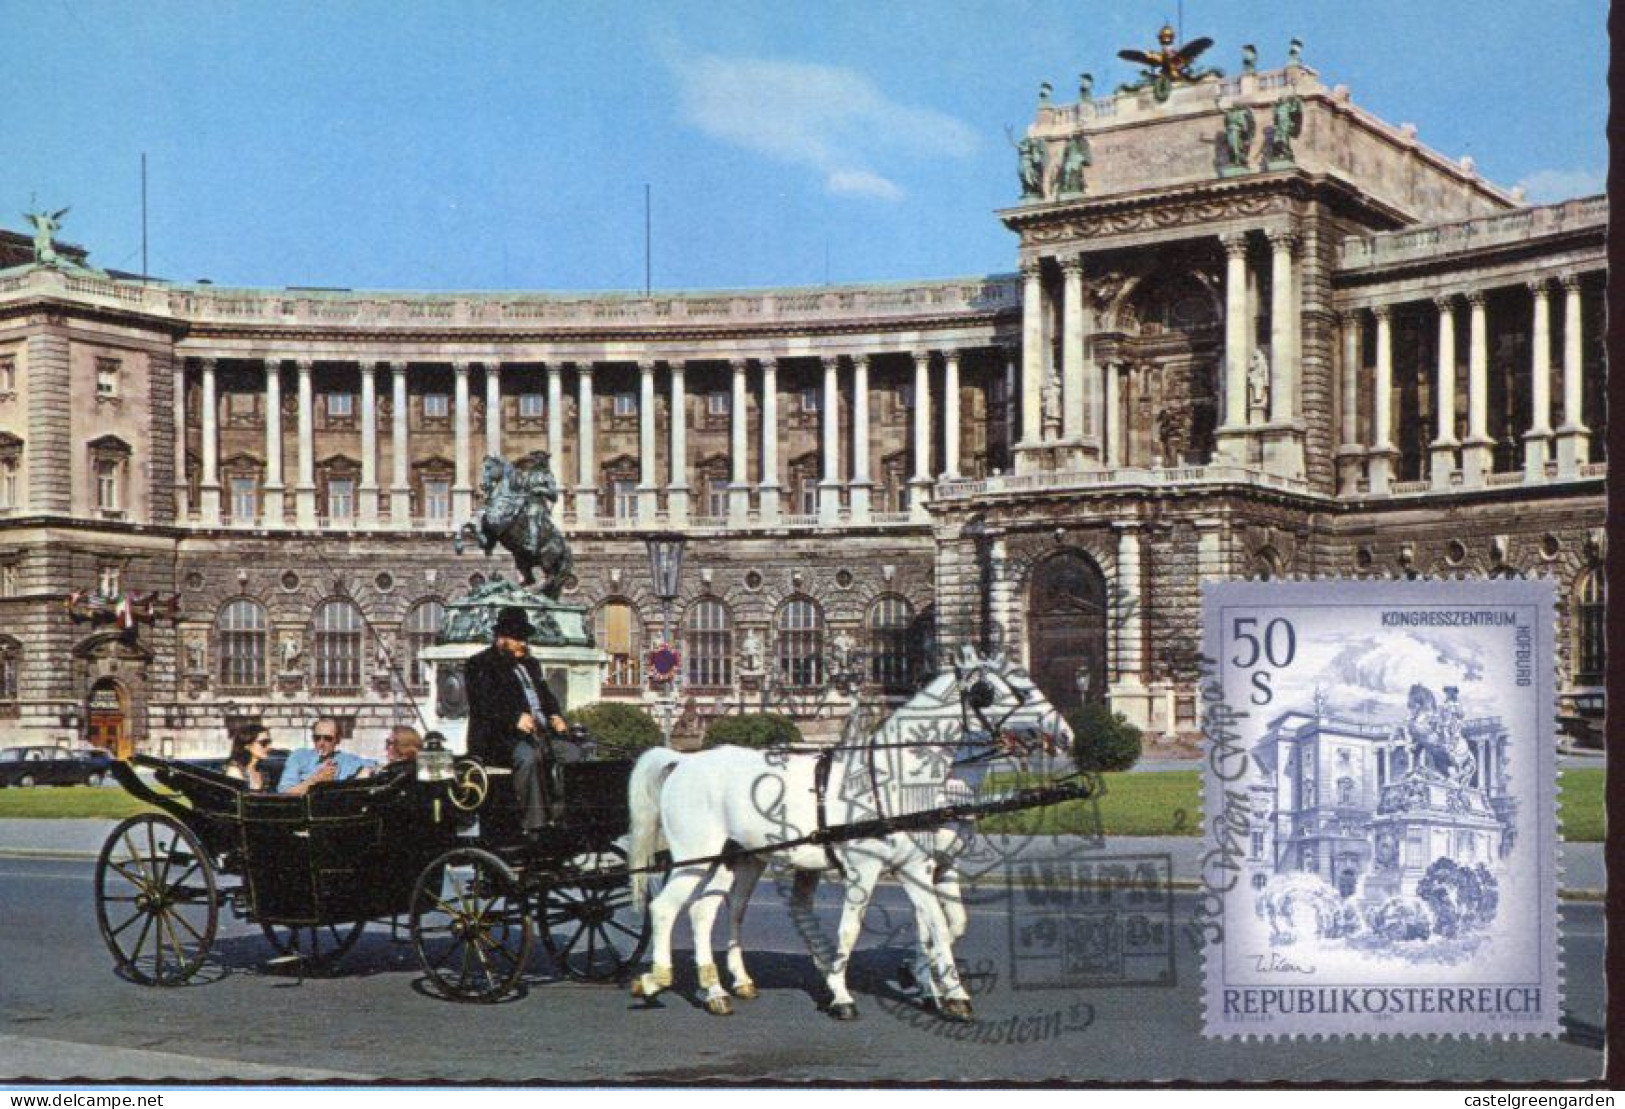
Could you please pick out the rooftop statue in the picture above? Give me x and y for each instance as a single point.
(46, 225)
(1030, 162)
(1165, 66)
(1086, 86)
(1239, 129)
(1288, 125)
(1249, 59)
(517, 514)
(1073, 162)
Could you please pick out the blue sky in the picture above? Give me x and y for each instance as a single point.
(506, 144)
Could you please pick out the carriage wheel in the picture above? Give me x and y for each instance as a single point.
(469, 925)
(588, 923)
(318, 947)
(155, 900)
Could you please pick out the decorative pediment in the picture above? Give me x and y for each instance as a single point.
(110, 445)
(111, 645)
(9, 443)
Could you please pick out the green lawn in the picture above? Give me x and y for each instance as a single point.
(1169, 804)
(1161, 804)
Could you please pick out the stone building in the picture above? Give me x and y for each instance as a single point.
(1308, 346)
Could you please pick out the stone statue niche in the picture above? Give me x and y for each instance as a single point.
(1172, 341)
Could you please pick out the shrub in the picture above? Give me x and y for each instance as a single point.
(1463, 899)
(752, 729)
(619, 728)
(1401, 918)
(1102, 740)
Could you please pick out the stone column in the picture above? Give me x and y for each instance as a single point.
(1232, 434)
(555, 418)
(738, 447)
(1116, 432)
(210, 491)
(1032, 365)
(183, 491)
(1573, 437)
(1476, 459)
(1383, 451)
(1010, 354)
(1537, 439)
(1350, 453)
(368, 499)
(462, 486)
(648, 478)
(587, 468)
(950, 414)
(304, 494)
(1446, 443)
(1074, 406)
(493, 408)
(1128, 694)
(273, 504)
(1283, 407)
(829, 489)
(862, 486)
(920, 483)
(400, 474)
(677, 492)
(770, 488)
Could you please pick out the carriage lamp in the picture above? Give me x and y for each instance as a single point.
(666, 570)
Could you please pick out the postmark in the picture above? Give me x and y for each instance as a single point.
(1379, 801)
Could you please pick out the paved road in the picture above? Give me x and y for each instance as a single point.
(64, 1014)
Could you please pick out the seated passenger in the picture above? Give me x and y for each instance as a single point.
(312, 766)
(249, 746)
(401, 749)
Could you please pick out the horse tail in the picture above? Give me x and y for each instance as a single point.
(649, 775)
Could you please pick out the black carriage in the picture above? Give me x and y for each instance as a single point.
(438, 855)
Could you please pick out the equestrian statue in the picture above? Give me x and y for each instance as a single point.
(517, 513)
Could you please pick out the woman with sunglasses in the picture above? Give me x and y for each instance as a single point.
(248, 750)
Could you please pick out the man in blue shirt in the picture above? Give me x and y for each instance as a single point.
(323, 762)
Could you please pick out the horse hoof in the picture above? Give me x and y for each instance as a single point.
(957, 1011)
(746, 991)
(640, 990)
(844, 1011)
(719, 1007)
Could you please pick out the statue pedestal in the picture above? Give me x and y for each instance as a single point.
(1420, 820)
(574, 665)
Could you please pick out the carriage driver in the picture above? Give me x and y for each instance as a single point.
(510, 710)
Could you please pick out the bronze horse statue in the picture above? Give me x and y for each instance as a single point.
(517, 515)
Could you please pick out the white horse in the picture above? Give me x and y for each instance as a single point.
(711, 804)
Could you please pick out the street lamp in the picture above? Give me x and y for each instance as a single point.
(666, 572)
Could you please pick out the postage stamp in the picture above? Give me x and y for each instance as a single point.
(1379, 800)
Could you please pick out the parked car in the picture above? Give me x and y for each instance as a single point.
(53, 766)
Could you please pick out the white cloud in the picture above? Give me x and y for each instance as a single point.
(826, 118)
(1547, 186)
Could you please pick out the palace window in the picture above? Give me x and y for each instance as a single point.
(624, 495)
(109, 461)
(341, 498)
(809, 400)
(109, 579)
(244, 498)
(11, 662)
(418, 630)
(338, 629)
(532, 406)
(437, 499)
(719, 403)
(8, 481)
(107, 373)
(341, 406)
(240, 633)
(625, 404)
(620, 634)
(107, 486)
(716, 496)
(800, 631)
(436, 406)
(8, 375)
(708, 628)
(1590, 631)
(9, 576)
(893, 654)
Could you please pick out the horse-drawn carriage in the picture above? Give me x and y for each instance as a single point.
(439, 856)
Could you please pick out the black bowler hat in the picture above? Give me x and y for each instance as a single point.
(513, 623)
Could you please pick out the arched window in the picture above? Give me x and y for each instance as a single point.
(338, 629)
(800, 632)
(1590, 632)
(418, 630)
(892, 657)
(709, 644)
(620, 634)
(240, 632)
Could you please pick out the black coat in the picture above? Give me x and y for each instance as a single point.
(496, 700)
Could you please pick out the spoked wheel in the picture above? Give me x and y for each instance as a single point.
(469, 925)
(317, 947)
(155, 900)
(588, 923)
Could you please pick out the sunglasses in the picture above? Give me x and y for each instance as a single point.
(324, 736)
(262, 741)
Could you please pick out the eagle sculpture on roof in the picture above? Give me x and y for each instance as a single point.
(1165, 66)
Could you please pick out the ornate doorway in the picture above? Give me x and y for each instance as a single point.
(1066, 630)
(106, 721)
